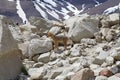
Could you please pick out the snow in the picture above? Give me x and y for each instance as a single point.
(51, 12)
(97, 3)
(20, 12)
(72, 8)
(64, 10)
(11, 0)
(48, 7)
(111, 9)
(51, 2)
(43, 14)
(83, 8)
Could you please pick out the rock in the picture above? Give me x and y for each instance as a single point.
(105, 23)
(15, 30)
(55, 73)
(109, 60)
(88, 41)
(103, 54)
(9, 53)
(36, 73)
(115, 53)
(69, 75)
(59, 64)
(98, 37)
(98, 61)
(113, 78)
(24, 48)
(114, 69)
(55, 30)
(75, 50)
(44, 57)
(37, 46)
(101, 78)
(28, 64)
(83, 74)
(53, 56)
(106, 72)
(41, 24)
(38, 65)
(114, 18)
(81, 27)
(28, 27)
(117, 74)
(72, 60)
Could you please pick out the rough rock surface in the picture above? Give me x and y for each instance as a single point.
(9, 52)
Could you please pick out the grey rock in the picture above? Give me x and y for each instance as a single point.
(44, 57)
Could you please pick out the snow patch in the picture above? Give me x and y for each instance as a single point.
(43, 14)
(97, 3)
(51, 2)
(20, 12)
(73, 8)
(11, 0)
(112, 9)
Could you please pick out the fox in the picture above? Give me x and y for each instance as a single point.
(57, 40)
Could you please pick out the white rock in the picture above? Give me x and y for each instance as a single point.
(55, 73)
(36, 73)
(37, 46)
(109, 60)
(75, 50)
(113, 78)
(44, 57)
(88, 41)
(101, 78)
(114, 69)
(81, 27)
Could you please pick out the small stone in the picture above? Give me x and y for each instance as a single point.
(101, 78)
(114, 69)
(55, 73)
(106, 72)
(59, 64)
(83, 74)
(36, 73)
(109, 60)
(72, 60)
(113, 78)
(44, 57)
(98, 61)
(38, 65)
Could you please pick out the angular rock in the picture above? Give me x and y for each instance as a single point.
(88, 41)
(113, 78)
(106, 72)
(114, 69)
(9, 52)
(75, 51)
(44, 57)
(38, 46)
(101, 78)
(36, 73)
(83, 74)
(81, 27)
(55, 73)
(109, 60)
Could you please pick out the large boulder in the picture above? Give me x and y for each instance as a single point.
(37, 46)
(81, 27)
(9, 52)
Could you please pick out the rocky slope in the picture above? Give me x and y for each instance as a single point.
(93, 55)
(21, 10)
